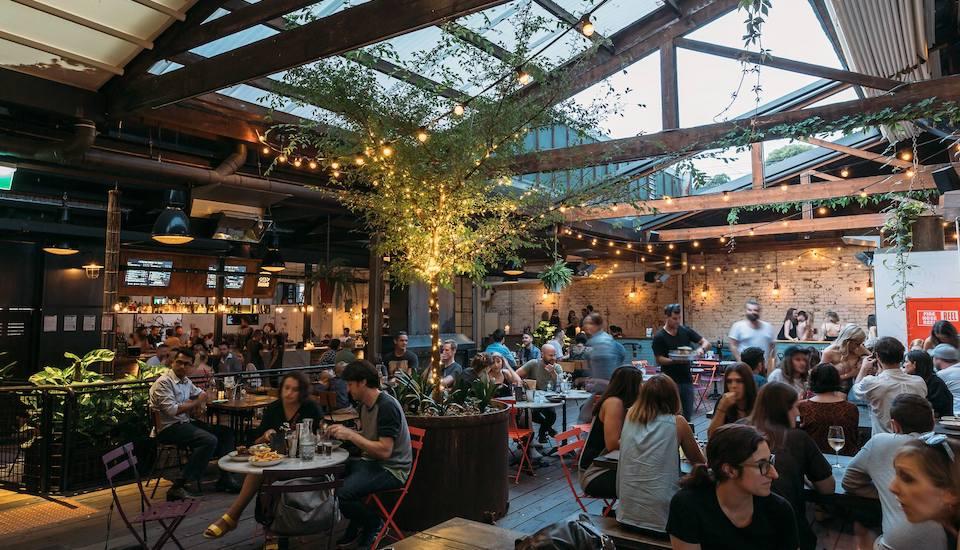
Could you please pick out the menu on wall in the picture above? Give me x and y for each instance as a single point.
(230, 282)
(139, 273)
(69, 323)
(89, 323)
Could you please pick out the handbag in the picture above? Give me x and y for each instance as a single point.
(297, 514)
(578, 534)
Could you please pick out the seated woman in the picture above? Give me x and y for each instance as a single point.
(793, 369)
(927, 482)
(727, 503)
(493, 367)
(649, 468)
(918, 362)
(293, 406)
(605, 432)
(798, 457)
(737, 402)
(942, 332)
(829, 407)
(845, 353)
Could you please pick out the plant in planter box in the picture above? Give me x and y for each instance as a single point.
(556, 276)
(415, 394)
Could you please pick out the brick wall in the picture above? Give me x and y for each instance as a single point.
(810, 282)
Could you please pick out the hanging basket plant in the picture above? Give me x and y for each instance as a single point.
(557, 276)
(338, 279)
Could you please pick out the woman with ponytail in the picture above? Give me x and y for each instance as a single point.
(727, 504)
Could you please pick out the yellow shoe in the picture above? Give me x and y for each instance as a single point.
(214, 531)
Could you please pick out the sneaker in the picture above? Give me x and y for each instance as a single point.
(349, 536)
(367, 539)
(181, 493)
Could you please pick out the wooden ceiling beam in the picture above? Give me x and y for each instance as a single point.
(860, 153)
(335, 34)
(162, 8)
(630, 44)
(871, 185)
(791, 65)
(766, 127)
(741, 230)
(562, 14)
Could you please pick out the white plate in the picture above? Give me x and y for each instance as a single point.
(267, 463)
(232, 455)
(953, 422)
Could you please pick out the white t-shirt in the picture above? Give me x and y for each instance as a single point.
(881, 389)
(748, 337)
(951, 377)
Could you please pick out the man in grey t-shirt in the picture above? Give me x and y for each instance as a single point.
(386, 454)
(751, 332)
(871, 471)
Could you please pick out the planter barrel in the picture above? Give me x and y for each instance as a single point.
(462, 470)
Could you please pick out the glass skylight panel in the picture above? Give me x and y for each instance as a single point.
(235, 40)
(613, 15)
(245, 92)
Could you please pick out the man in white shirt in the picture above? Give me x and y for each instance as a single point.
(880, 388)
(160, 357)
(751, 332)
(946, 359)
(870, 472)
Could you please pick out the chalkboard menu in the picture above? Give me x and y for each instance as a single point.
(139, 273)
(230, 282)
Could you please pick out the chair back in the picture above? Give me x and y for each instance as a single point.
(511, 414)
(117, 462)
(326, 400)
(569, 448)
(332, 479)
(417, 436)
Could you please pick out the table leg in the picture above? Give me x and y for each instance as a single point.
(564, 442)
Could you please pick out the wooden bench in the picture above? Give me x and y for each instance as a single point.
(623, 536)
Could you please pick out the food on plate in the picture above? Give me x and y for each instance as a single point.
(242, 450)
(265, 456)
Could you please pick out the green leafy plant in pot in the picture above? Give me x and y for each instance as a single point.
(556, 276)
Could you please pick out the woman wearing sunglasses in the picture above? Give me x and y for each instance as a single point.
(927, 482)
(729, 505)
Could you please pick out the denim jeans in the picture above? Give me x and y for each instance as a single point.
(364, 477)
(203, 441)
(687, 399)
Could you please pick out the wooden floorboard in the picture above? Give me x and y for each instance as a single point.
(535, 502)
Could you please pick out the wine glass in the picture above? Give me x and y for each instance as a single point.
(836, 441)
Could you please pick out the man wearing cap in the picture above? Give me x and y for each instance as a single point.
(946, 359)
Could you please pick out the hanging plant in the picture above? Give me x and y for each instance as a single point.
(338, 278)
(898, 233)
(556, 276)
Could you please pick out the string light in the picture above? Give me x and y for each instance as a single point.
(586, 26)
(359, 161)
(909, 173)
(335, 165)
(387, 150)
(696, 244)
(726, 196)
(422, 134)
(863, 193)
(822, 211)
(844, 172)
(265, 150)
(282, 158)
(776, 288)
(458, 109)
(783, 187)
(523, 77)
(906, 155)
(313, 165)
(723, 240)
(297, 163)
(670, 246)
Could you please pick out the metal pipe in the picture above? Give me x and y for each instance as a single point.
(231, 164)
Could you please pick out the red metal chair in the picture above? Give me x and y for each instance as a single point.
(168, 514)
(575, 449)
(702, 382)
(416, 443)
(522, 437)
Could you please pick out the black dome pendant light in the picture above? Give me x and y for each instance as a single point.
(173, 224)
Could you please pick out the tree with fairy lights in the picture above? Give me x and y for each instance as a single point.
(431, 176)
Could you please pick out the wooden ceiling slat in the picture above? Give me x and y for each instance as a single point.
(162, 8)
(92, 25)
(740, 230)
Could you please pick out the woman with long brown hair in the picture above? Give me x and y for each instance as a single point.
(649, 468)
(927, 482)
(737, 402)
(775, 415)
(727, 503)
(605, 431)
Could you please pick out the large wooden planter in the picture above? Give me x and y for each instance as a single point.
(462, 471)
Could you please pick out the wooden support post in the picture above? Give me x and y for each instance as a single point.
(219, 301)
(375, 304)
(669, 90)
(807, 208)
(111, 272)
(307, 300)
(756, 164)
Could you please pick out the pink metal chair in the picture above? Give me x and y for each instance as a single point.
(573, 451)
(703, 382)
(168, 514)
(416, 443)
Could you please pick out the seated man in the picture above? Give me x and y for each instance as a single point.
(871, 471)
(334, 382)
(175, 399)
(544, 370)
(754, 358)
(386, 455)
(160, 358)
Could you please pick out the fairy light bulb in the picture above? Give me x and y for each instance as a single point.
(313, 165)
(906, 155)
(282, 158)
(696, 244)
(863, 193)
(587, 27)
(422, 134)
(265, 150)
(844, 172)
(297, 163)
(359, 161)
(523, 77)
(822, 211)
(387, 150)
(910, 173)
(458, 110)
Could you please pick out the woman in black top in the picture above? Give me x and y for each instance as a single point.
(788, 330)
(729, 505)
(604, 434)
(938, 394)
(285, 413)
(775, 415)
(737, 402)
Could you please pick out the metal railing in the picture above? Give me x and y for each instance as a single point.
(52, 437)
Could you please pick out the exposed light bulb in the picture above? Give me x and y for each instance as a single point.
(282, 158)
(726, 196)
(458, 110)
(335, 165)
(523, 77)
(297, 163)
(822, 211)
(387, 150)
(844, 172)
(265, 150)
(863, 193)
(696, 244)
(906, 155)
(586, 26)
(422, 135)
(359, 161)
(313, 165)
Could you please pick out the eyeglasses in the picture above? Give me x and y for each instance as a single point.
(762, 465)
(938, 440)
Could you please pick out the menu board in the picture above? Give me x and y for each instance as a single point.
(138, 273)
(230, 282)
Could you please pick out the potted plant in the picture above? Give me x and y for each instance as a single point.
(338, 279)
(556, 276)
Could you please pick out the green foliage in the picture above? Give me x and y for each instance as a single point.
(556, 276)
(542, 333)
(898, 233)
(785, 152)
(416, 395)
(835, 203)
(756, 11)
(339, 278)
(718, 179)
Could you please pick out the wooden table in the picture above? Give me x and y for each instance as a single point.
(241, 411)
(460, 534)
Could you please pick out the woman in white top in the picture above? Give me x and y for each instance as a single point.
(793, 370)
(648, 474)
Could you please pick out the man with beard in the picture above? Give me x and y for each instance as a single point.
(751, 332)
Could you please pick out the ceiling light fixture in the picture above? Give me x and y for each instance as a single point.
(173, 224)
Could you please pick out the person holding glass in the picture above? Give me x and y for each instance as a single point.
(285, 413)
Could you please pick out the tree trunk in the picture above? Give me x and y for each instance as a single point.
(436, 370)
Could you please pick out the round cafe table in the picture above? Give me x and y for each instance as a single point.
(529, 406)
(245, 467)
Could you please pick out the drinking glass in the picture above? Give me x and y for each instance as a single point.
(549, 387)
(836, 441)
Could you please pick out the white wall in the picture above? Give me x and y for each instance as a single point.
(935, 275)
